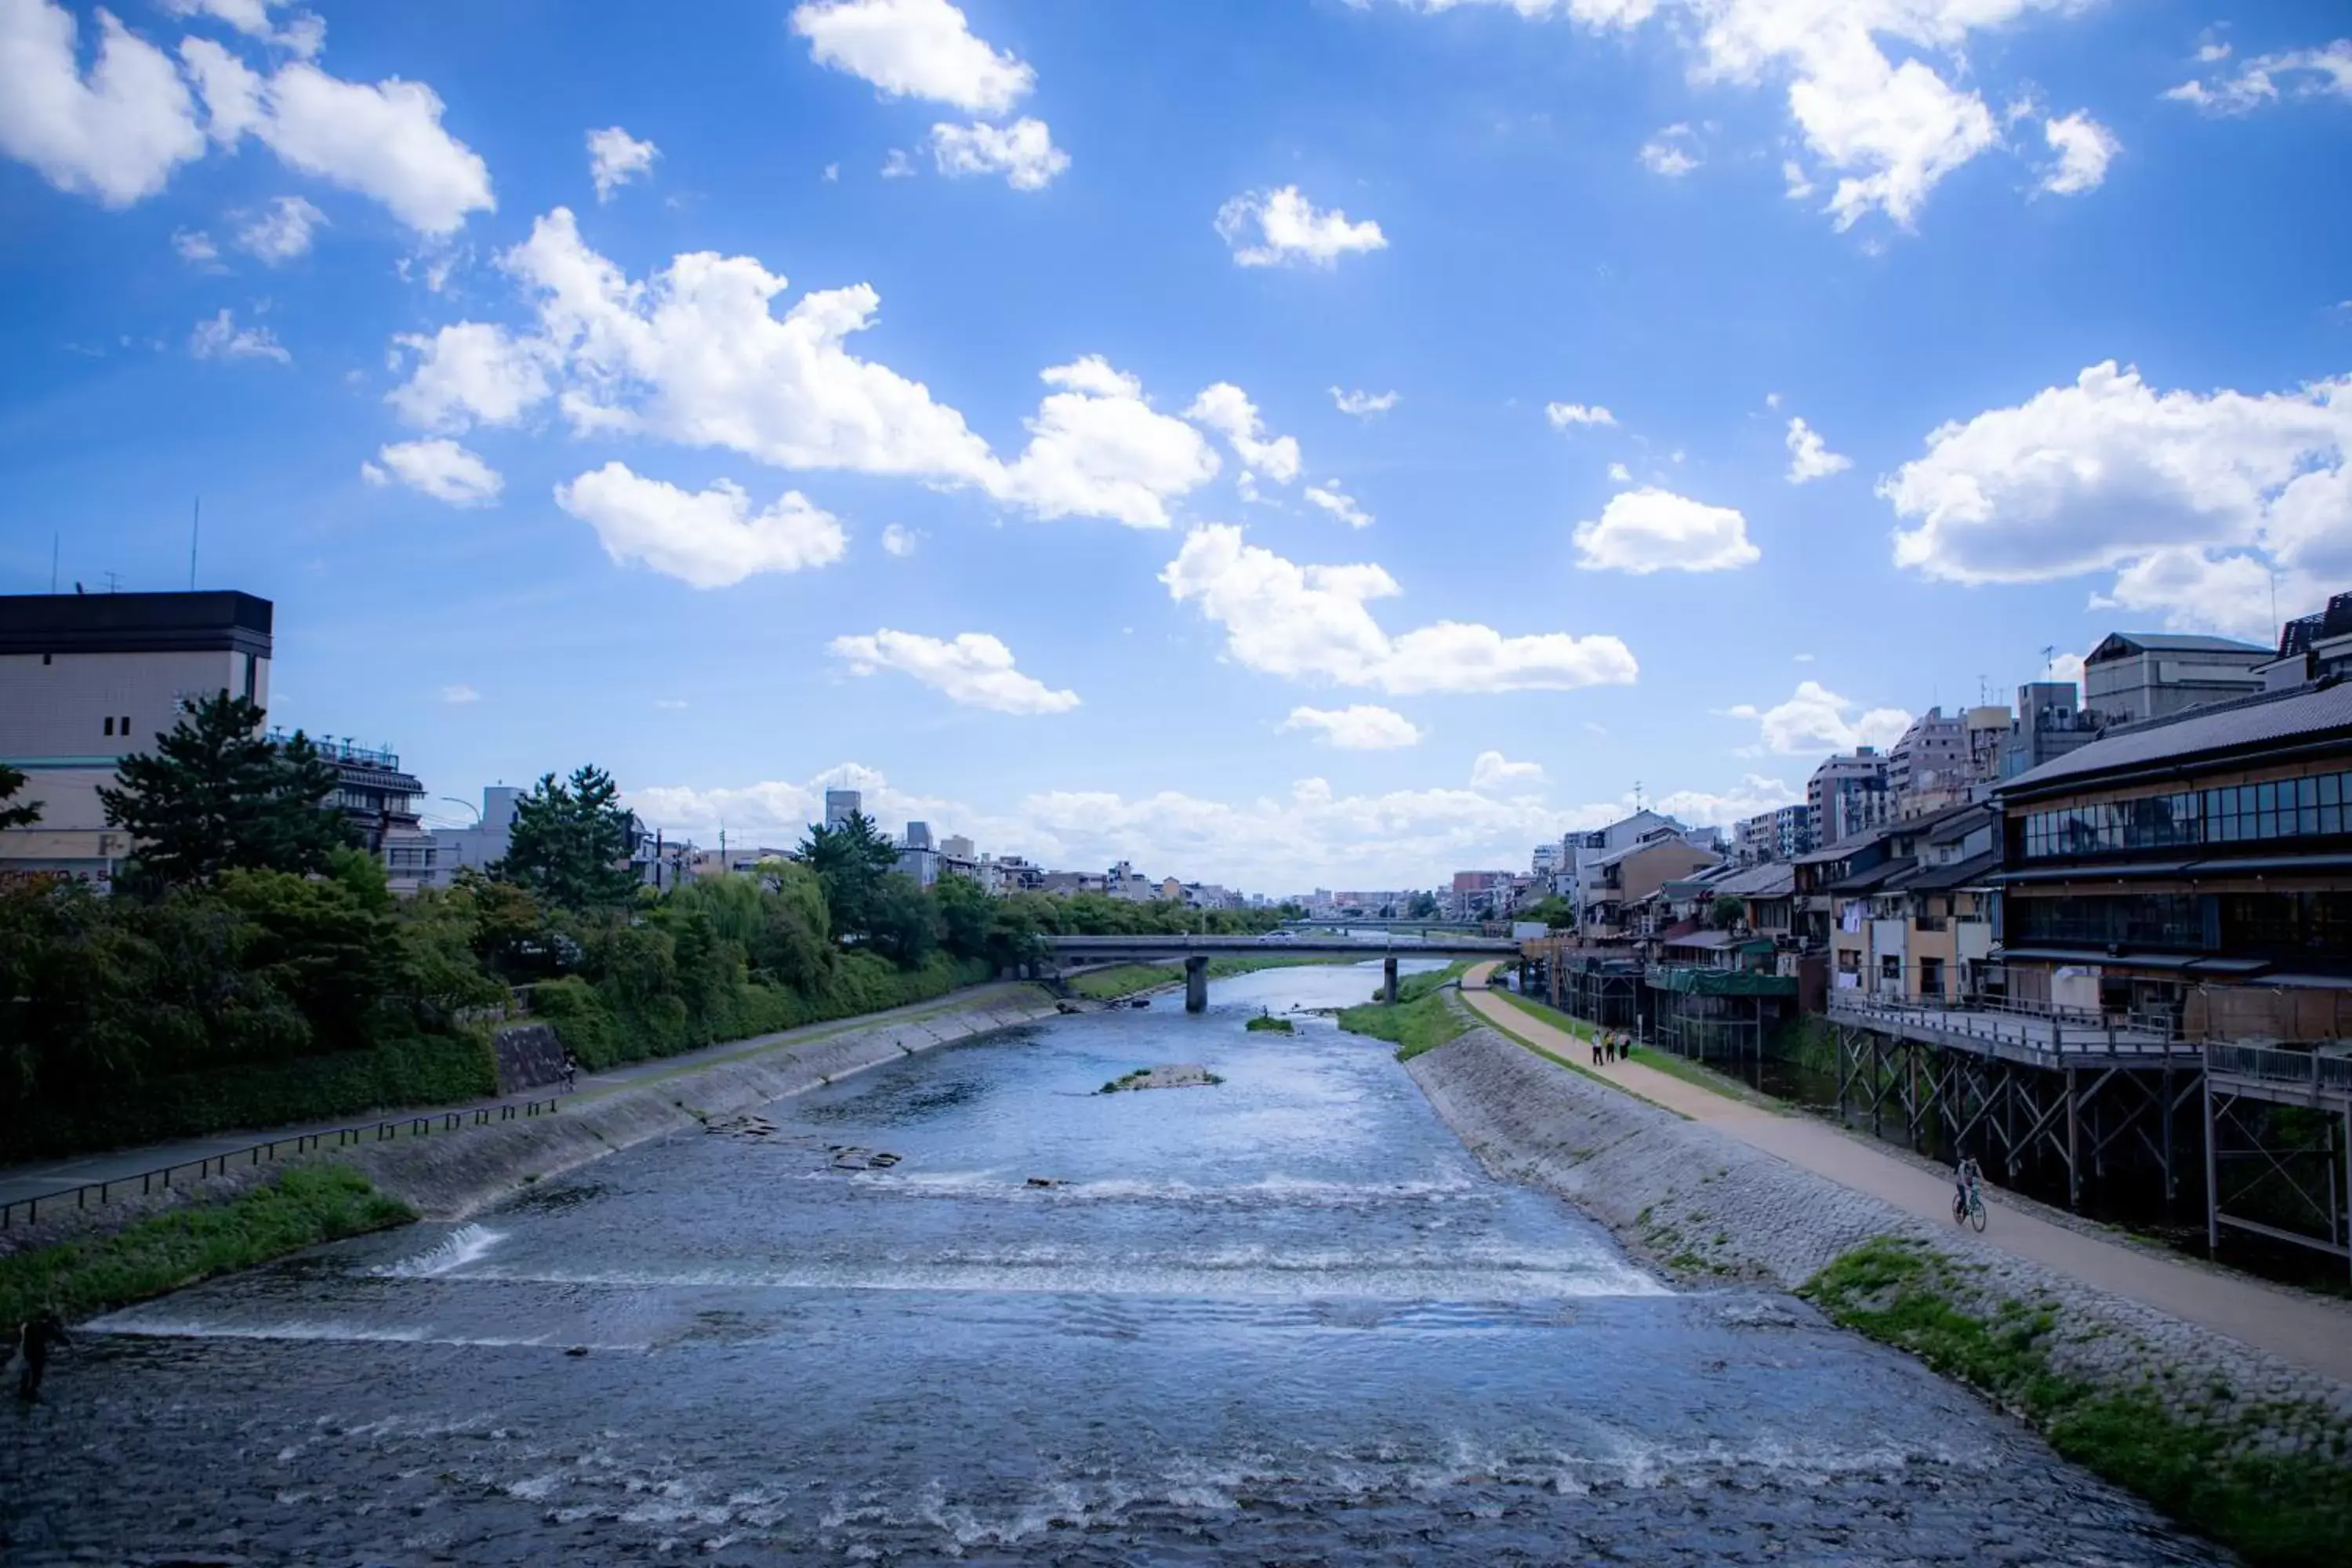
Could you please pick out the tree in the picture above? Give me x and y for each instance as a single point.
(24, 816)
(966, 916)
(1421, 906)
(1552, 909)
(217, 795)
(906, 929)
(1726, 911)
(850, 862)
(570, 841)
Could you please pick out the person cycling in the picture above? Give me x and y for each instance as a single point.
(1967, 1179)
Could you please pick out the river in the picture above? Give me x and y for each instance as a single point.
(1282, 1318)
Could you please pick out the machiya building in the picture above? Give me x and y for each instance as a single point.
(87, 680)
(2192, 866)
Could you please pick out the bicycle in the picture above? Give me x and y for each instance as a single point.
(1968, 1208)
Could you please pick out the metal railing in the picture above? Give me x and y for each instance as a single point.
(385, 1131)
(2042, 1029)
(2323, 1074)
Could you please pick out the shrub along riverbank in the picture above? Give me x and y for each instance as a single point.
(304, 1206)
(2291, 1510)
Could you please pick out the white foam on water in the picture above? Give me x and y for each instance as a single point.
(465, 1245)
(160, 1327)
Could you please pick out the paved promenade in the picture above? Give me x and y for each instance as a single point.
(2309, 1330)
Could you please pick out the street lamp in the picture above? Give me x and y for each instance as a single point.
(469, 805)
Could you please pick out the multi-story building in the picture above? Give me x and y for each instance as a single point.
(87, 680)
(379, 800)
(918, 857)
(1988, 728)
(1479, 895)
(841, 804)
(2313, 645)
(2051, 721)
(1010, 874)
(1781, 834)
(1932, 754)
(2157, 872)
(1544, 863)
(956, 847)
(1916, 925)
(1849, 794)
(1581, 852)
(2134, 676)
(1617, 884)
(1124, 881)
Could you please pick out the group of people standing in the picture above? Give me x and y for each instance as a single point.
(1610, 1045)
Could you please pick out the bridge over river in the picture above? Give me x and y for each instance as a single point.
(1066, 952)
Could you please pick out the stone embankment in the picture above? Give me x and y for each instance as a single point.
(1707, 1208)
(449, 1175)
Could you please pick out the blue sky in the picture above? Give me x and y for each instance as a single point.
(949, 399)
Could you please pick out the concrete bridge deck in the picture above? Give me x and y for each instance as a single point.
(1195, 952)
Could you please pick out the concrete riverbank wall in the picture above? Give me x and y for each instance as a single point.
(448, 1176)
(1705, 1208)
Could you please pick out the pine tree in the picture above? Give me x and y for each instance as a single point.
(24, 816)
(216, 795)
(571, 838)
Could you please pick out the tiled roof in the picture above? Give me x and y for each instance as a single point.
(2175, 642)
(1773, 878)
(2217, 728)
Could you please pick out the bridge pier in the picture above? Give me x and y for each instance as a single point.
(1387, 980)
(1196, 982)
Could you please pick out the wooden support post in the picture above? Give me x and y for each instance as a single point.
(2074, 1137)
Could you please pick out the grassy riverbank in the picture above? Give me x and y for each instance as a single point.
(1129, 979)
(1650, 1057)
(2275, 1509)
(305, 1206)
(1424, 1017)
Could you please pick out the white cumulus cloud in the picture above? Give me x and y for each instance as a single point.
(1815, 719)
(1023, 152)
(281, 231)
(1278, 227)
(1360, 727)
(220, 337)
(304, 32)
(1311, 623)
(1362, 403)
(1650, 530)
(1563, 415)
(469, 372)
(898, 542)
(2318, 72)
(116, 134)
(972, 669)
(1669, 152)
(1227, 409)
(1097, 448)
(914, 48)
(438, 468)
(2192, 498)
(615, 158)
(1331, 499)
(2085, 149)
(705, 539)
(1492, 770)
(1810, 457)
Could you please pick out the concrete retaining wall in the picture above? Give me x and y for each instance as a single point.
(1704, 1207)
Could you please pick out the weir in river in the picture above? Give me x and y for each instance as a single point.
(1286, 1316)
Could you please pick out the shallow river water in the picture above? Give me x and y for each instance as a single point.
(1283, 1319)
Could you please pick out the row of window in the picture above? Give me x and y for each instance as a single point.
(2306, 924)
(118, 726)
(2288, 808)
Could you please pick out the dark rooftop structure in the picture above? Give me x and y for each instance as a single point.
(2123, 645)
(2319, 711)
(214, 620)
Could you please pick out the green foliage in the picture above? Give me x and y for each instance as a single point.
(304, 1206)
(216, 795)
(1421, 1024)
(1413, 987)
(1726, 911)
(1267, 1024)
(1552, 909)
(24, 815)
(850, 862)
(2283, 1509)
(569, 841)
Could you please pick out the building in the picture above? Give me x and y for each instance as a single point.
(2050, 722)
(918, 857)
(1616, 884)
(1124, 881)
(1781, 834)
(1544, 863)
(2134, 676)
(1478, 895)
(1582, 852)
(87, 680)
(1912, 920)
(1987, 727)
(2195, 870)
(379, 800)
(841, 804)
(1933, 755)
(2313, 645)
(1849, 795)
(482, 846)
(956, 847)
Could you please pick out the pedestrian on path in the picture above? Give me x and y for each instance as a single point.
(571, 1071)
(1598, 1047)
(32, 1352)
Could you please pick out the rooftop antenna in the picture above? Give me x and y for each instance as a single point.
(1637, 796)
(113, 583)
(196, 522)
(2049, 658)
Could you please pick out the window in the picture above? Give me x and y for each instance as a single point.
(2316, 806)
(126, 724)
(109, 726)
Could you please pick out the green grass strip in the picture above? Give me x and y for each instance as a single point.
(2276, 1510)
(1421, 1024)
(1697, 1074)
(305, 1206)
(1575, 1067)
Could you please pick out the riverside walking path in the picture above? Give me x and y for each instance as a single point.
(38, 1179)
(2308, 1329)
